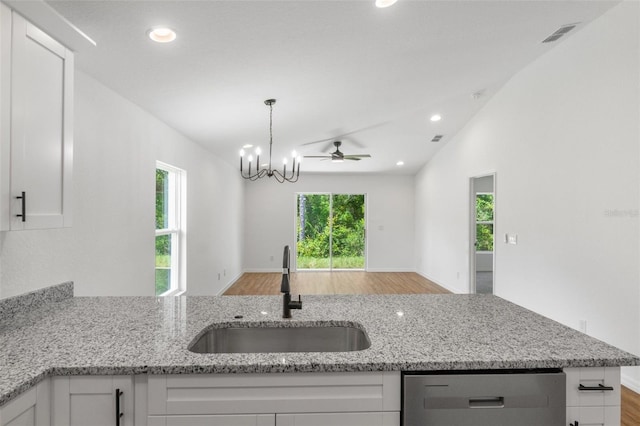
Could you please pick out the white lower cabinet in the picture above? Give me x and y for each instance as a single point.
(292, 399)
(593, 396)
(31, 408)
(92, 400)
(301, 399)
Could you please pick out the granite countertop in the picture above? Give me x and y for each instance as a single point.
(137, 335)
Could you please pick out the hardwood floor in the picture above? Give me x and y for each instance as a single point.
(356, 282)
(376, 283)
(630, 415)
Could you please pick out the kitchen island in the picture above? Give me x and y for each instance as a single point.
(129, 336)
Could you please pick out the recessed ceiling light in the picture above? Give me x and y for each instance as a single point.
(436, 117)
(385, 3)
(162, 34)
(247, 146)
(400, 163)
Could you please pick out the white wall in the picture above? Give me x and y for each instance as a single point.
(563, 136)
(110, 248)
(271, 208)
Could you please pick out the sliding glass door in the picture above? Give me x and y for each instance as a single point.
(330, 231)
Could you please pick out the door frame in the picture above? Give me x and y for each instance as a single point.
(472, 230)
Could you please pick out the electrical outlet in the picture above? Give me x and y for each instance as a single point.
(271, 258)
(458, 275)
(224, 272)
(218, 276)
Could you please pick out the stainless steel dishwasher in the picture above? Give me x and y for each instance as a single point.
(484, 398)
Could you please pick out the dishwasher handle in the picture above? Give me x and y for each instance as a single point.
(487, 402)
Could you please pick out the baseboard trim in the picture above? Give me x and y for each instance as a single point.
(452, 290)
(630, 382)
(232, 282)
(261, 270)
(389, 270)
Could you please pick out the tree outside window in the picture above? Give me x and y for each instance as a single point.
(170, 232)
(484, 222)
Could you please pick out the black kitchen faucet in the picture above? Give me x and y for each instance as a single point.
(285, 288)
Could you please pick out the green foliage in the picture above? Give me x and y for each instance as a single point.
(163, 244)
(323, 262)
(163, 261)
(162, 280)
(317, 229)
(163, 269)
(484, 213)
(162, 181)
(484, 207)
(484, 237)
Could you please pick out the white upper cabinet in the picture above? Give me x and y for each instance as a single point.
(36, 127)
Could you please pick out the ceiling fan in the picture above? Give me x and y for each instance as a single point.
(338, 156)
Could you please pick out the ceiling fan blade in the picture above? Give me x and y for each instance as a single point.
(318, 156)
(343, 135)
(347, 157)
(328, 147)
(358, 156)
(355, 142)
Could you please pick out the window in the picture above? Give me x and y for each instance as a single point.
(484, 221)
(170, 230)
(331, 231)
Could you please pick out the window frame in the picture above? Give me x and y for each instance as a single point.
(176, 227)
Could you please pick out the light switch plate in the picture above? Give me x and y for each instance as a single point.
(512, 238)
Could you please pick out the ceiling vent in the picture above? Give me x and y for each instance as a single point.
(437, 138)
(559, 33)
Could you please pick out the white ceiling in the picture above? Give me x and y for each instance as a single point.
(335, 67)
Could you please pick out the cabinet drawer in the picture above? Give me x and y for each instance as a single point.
(273, 393)
(593, 378)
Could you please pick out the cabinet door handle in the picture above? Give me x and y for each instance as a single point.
(119, 414)
(595, 388)
(574, 424)
(23, 215)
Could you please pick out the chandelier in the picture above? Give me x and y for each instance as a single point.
(269, 172)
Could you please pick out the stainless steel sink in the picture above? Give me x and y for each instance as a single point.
(256, 339)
